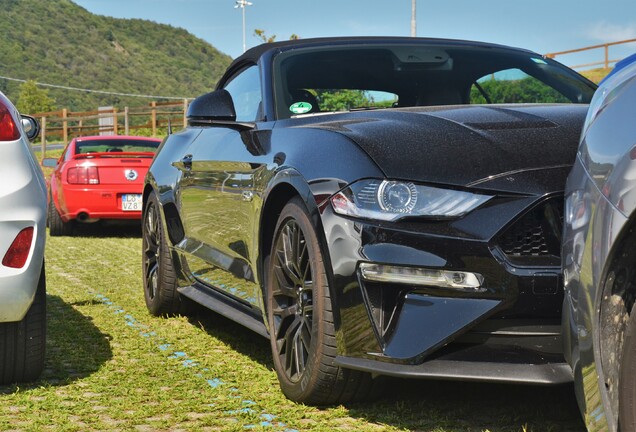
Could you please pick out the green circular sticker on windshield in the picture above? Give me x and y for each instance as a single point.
(300, 107)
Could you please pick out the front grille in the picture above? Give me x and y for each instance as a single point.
(535, 238)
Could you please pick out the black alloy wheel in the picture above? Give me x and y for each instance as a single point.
(301, 320)
(159, 277)
(292, 300)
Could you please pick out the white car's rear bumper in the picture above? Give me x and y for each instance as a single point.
(22, 204)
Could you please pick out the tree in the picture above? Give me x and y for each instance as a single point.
(526, 90)
(260, 34)
(342, 99)
(33, 99)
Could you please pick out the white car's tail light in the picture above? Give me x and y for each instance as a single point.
(83, 175)
(18, 252)
(8, 129)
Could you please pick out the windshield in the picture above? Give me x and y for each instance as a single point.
(328, 79)
(116, 145)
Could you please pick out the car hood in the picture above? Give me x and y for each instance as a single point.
(517, 148)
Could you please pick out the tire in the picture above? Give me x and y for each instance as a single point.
(159, 276)
(57, 227)
(23, 343)
(627, 386)
(299, 310)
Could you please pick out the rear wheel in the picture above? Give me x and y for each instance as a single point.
(627, 390)
(159, 277)
(22, 343)
(57, 227)
(300, 317)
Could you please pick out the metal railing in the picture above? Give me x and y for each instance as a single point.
(605, 47)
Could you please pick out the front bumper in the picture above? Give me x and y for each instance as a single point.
(507, 330)
(586, 247)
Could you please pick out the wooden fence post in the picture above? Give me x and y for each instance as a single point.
(64, 126)
(115, 121)
(606, 56)
(126, 124)
(43, 136)
(185, 112)
(154, 118)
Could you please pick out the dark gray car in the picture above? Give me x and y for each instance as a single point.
(599, 257)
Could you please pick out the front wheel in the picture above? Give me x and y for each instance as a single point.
(300, 317)
(627, 387)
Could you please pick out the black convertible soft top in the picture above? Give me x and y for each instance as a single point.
(253, 54)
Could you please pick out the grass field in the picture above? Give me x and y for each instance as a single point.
(111, 366)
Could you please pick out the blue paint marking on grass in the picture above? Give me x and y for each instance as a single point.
(215, 382)
(267, 420)
(177, 354)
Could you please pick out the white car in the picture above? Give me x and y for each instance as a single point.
(22, 236)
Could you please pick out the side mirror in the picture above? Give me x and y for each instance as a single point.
(49, 162)
(214, 106)
(31, 127)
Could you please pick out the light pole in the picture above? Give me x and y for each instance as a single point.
(242, 4)
(413, 19)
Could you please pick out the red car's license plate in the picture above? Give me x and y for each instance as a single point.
(131, 202)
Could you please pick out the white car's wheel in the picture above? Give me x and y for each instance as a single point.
(22, 343)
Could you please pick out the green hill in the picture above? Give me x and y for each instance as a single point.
(59, 42)
(596, 75)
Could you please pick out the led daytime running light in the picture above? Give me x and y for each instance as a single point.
(421, 276)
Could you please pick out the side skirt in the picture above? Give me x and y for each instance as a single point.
(226, 306)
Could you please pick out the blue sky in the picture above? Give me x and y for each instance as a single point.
(539, 25)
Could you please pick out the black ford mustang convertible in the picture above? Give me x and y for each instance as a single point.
(374, 206)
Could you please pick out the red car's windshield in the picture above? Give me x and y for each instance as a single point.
(119, 145)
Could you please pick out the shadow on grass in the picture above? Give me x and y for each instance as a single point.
(470, 406)
(104, 229)
(433, 405)
(75, 347)
(239, 338)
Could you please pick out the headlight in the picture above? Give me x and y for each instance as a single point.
(577, 210)
(607, 91)
(392, 200)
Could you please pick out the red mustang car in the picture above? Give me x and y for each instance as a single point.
(98, 177)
